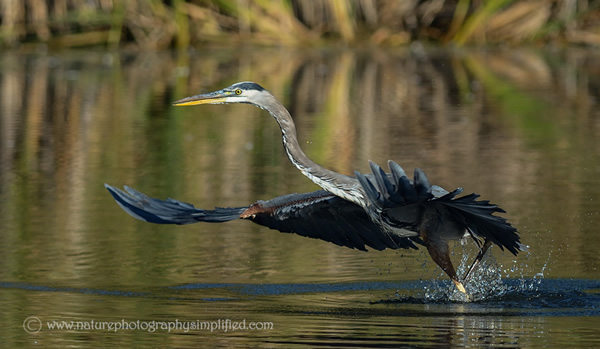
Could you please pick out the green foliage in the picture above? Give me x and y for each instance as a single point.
(159, 24)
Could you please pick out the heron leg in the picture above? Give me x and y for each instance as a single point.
(439, 252)
(486, 245)
(436, 233)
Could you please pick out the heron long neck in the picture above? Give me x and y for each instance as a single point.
(336, 183)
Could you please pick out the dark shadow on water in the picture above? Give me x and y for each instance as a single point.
(289, 289)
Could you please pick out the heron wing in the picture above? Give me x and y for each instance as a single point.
(397, 199)
(169, 211)
(320, 215)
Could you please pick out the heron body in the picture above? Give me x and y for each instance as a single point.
(378, 210)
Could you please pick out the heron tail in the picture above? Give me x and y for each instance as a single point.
(479, 219)
(393, 193)
(169, 211)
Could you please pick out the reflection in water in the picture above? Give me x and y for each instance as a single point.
(520, 127)
(302, 315)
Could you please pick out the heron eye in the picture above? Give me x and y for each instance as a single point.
(238, 92)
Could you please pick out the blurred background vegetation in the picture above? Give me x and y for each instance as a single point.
(159, 24)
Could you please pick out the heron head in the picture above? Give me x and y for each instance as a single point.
(240, 92)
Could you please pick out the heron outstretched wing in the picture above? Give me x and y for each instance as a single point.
(320, 215)
(169, 211)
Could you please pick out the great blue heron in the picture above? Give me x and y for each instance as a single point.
(377, 210)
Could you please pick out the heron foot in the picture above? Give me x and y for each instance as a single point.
(460, 286)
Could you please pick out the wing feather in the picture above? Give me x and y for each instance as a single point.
(169, 211)
(319, 215)
(324, 216)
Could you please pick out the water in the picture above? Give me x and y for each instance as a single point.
(520, 127)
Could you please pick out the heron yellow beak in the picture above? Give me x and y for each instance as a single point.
(217, 97)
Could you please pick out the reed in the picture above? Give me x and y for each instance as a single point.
(160, 24)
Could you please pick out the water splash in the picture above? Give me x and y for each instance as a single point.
(490, 280)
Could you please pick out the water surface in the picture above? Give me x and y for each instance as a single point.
(519, 127)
